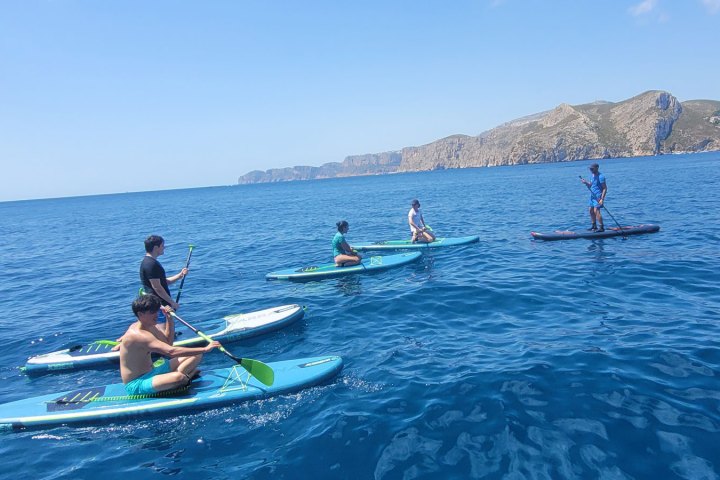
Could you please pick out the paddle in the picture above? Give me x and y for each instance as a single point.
(256, 368)
(75, 348)
(603, 206)
(182, 282)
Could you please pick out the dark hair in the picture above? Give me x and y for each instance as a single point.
(341, 225)
(415, 202)
(594, 166)
(153, 241)
(146, 304)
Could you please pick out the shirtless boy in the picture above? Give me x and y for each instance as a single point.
(144, 337)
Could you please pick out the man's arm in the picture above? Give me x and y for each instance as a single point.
(119, 341)
(160, 292)
(175, 278)
(603, 187)
(171, 351)
(347, 249)
(169, 324)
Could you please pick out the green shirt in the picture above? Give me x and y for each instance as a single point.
(337, 242)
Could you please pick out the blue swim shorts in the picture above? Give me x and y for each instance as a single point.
(143, 384)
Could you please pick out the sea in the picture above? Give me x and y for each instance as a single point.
(508, 358)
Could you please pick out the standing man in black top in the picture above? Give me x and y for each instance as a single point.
(152, 274)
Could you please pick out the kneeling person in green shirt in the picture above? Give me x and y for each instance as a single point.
(145, 337)
(343, 253)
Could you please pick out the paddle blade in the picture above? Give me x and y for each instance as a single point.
(259, 370)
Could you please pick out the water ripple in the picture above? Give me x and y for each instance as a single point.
(508, 358)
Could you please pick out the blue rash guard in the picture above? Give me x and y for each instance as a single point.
(596, 189)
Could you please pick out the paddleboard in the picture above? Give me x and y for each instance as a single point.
(408, 245)
(609, 232)
(228, 329)
(214, 388)
(319, 272)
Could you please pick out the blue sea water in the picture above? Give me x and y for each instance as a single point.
(510, 358)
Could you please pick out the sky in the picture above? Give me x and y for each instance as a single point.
(122, 96)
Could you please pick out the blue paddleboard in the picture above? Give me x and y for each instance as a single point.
(369, 264)
(214, 388)
(408, 245)
(231, 328)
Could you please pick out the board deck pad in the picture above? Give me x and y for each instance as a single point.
(89, 349)
(75, 400)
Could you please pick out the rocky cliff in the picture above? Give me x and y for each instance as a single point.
(369, 164)
(652, 123)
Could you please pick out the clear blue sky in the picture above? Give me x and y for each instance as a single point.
(116, 96)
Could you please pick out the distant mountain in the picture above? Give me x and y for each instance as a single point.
(652, 123)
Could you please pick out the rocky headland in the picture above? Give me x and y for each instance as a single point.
(652, 123)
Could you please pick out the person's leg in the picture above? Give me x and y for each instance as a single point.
(166, 376)
(414, 236)
(598, 216)
(430, 236)
(188, 366)
(169, 381)
(347, 260)
(592, 218)
(181, 370)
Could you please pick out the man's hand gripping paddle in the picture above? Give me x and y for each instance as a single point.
(256, 368)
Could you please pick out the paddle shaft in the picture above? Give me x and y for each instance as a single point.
(205, 337)
(264, 373)
(182, 282)
(592, 194)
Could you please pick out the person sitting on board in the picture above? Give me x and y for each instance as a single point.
(139, 374)
(152, 274)
(598, 190)
(344, 254)
(418, 229)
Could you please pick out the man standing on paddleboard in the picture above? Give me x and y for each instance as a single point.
(152, 274)
(598, 190)
(139, 374)
(418, 229)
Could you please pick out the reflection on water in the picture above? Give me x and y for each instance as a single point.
(349, 285)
